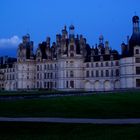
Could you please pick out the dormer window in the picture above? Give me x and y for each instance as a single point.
(101, 58)
(137, 51)
(71, 47)
(38, 54)
(71, 54)
(111, 58)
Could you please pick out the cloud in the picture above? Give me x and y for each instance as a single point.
(12, 42)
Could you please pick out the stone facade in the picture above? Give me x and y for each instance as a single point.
(70, 64)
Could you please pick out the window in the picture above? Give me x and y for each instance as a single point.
(117, 63)
(71, 54)
(37, 84)
(67, 84)
(40, 67)
(92, 73)
(111, 58)
(106, 64)
(87, 73)
(51, 85)
(102, 73)
(111, 72)
(87, 65)
(107, 73)
(97, 65)
(45, 67)
(51, 75)
(55, 84)
(48, 66)
(137, 70)
(38, 60)
(45, 75)
(13, 77)
(101, 58)
(48, 76)
(48, 85)
(40, 84)
(67, 75)
(137, 60)
(45, 84)
(71, 84)
(97, 73)
(137, 82)
(38, 76)
(117, 72)
(111, 63)
(38, 54)
(71, 74)
(71, 47)
(137, 51)
(37, 67)
(71, 63)
(51, 67)
(101, 64)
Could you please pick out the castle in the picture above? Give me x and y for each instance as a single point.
(70, 64)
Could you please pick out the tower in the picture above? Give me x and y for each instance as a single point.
(135, 38)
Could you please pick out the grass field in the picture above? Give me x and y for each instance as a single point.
(96, 106)
(46, 131)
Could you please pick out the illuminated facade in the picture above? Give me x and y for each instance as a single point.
(70, 64)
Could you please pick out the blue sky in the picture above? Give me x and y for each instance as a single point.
(42, 18)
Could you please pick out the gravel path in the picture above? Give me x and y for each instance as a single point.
(73, 120)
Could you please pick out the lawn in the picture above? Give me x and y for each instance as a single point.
(125, 105)
(46, 131)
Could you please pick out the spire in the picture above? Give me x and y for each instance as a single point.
(135, 21)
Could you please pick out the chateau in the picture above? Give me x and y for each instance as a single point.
(70, 64)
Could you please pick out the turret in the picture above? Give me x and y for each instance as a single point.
(71, 31)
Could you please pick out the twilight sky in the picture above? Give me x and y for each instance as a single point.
(42, 18)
